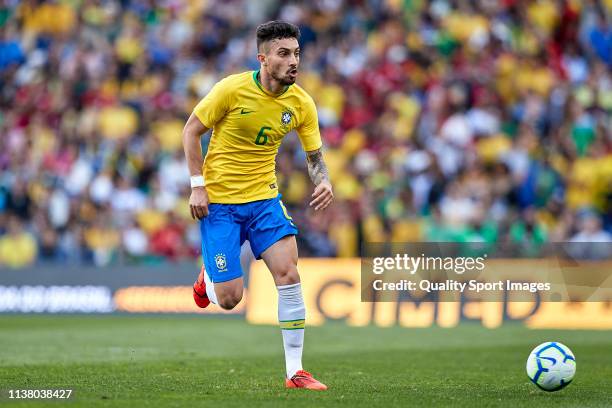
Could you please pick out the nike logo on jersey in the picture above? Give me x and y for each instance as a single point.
(245, 111)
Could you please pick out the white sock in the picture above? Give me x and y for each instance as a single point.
(210, 289)
(291, 316)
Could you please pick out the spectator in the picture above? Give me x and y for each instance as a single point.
(590, 230)
(17, 246)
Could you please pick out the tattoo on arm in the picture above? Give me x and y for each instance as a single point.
(317, 170)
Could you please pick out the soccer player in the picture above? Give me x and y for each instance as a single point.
(234, 192)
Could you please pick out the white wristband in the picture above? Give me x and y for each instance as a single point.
(197, 181)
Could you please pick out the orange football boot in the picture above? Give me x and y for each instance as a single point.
(303, 379)
(199, 291)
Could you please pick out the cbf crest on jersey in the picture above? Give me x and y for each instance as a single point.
(286, 117)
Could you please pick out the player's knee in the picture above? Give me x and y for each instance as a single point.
(287, 275)
(229, 300)
(227, 304)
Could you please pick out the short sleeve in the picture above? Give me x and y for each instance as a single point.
(308, 131)
(213, 106)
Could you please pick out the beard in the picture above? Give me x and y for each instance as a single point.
(283, 79)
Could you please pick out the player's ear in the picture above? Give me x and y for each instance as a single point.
(262, 58)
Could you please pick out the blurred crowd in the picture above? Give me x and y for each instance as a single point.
(468, 120)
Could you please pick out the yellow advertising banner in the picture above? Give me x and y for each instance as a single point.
(332, 291)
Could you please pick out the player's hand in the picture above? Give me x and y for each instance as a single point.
(322, 196)
(198, 203)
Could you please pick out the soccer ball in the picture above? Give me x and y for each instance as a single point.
(551, 366)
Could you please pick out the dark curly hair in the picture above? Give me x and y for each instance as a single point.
(273, 30)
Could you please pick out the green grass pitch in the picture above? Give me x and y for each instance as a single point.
(178, 361)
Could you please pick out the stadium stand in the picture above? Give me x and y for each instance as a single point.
(483, 120)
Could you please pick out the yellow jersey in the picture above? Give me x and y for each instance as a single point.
(249, 124)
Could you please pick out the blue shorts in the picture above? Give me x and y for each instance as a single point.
(227, 226)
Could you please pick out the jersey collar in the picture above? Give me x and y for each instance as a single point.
(260, 86)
